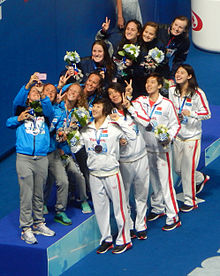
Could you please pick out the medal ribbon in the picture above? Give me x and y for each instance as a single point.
(102, 68)
(152, 111)
(99, 138)
(181, 107)
(68, 118)
(75, 68)
(169, 42)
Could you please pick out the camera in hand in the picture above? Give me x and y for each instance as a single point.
(31, 111)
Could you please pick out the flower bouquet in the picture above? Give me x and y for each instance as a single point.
(164, 91)
(72, 58)
(161, 132)
(130, 51)
(79, 118)
(153, 59)
(35, 110)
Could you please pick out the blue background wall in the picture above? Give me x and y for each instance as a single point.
(36, 33)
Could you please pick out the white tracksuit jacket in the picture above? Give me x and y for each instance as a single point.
(164, 113)
(107, 162)
(135, 149)
(199, 110)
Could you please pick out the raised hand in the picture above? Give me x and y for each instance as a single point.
(128, 88)
(63, 79)
(114, 116)
(33, 79)
(106, 24)
(125, 102)
(60, 97)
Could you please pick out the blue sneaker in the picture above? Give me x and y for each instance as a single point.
(86, 208)
(62, 218)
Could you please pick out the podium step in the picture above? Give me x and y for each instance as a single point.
(52, 255)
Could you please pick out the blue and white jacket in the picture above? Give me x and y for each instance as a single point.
(32, 135)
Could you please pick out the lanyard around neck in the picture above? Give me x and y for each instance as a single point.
(182, 105)
(102, 68)
(98, 137)
(152, 111)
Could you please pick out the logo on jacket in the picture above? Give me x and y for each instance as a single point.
(36, 126)
(196, 22)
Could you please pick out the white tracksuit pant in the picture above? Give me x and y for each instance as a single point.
(104, 189)
(164, 195)
(137, 173)
(186, 159)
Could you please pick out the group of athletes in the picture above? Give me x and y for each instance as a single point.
(143, 119)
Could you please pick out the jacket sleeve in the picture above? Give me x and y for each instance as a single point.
(138, 113)
(13, 122)
(203, 111)
(127, 130)
(180, 56)
(104, 36)
(20, 99)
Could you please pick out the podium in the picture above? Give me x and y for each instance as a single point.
(52, 255)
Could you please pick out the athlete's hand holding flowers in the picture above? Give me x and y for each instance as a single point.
(72, 58)
(154, 58)
(161, 132)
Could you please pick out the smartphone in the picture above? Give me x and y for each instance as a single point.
(31, 111)
(42, 76)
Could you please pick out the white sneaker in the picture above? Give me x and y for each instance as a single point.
(28, 236)
(42, 229)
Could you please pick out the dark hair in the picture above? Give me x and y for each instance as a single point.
(124, 39)
(107, 61)
(116, 86)
(119, 88)
(152, 24)
(183, 18)
(99, 90)
(192, 82)
(156, 76)
(107, 105)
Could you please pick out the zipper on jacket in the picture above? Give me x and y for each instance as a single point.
(33, 153)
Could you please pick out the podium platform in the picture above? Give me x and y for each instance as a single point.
(52, 255)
